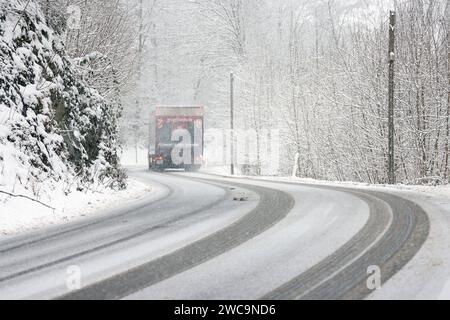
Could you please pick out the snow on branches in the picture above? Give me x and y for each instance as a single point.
(54, 128)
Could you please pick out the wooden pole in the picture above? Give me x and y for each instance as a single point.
(391, 124)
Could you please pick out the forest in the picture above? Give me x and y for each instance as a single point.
(315, 70)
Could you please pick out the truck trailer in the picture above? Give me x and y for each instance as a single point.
(178, 139)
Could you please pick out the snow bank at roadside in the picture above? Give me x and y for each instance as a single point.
(220, 170)
(19, 215)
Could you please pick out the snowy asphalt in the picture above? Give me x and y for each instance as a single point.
(197, 239)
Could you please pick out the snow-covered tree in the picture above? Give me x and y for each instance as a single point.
(55, 128)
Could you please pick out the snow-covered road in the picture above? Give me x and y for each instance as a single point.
(199, 240)
(36, 265)
(319, 224)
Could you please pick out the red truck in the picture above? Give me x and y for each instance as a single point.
(178, 139)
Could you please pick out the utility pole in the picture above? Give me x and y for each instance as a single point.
(138, 110)
(391, 135)
(447, 141)
(232, 121)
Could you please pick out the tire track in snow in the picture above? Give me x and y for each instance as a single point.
(273, 206)
(85, 227)
(396, 230)
(389, 243)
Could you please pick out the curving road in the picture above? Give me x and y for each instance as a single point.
(211, 237)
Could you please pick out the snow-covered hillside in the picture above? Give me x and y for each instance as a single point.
(56, 133)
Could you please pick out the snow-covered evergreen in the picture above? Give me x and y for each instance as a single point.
(55, 130)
